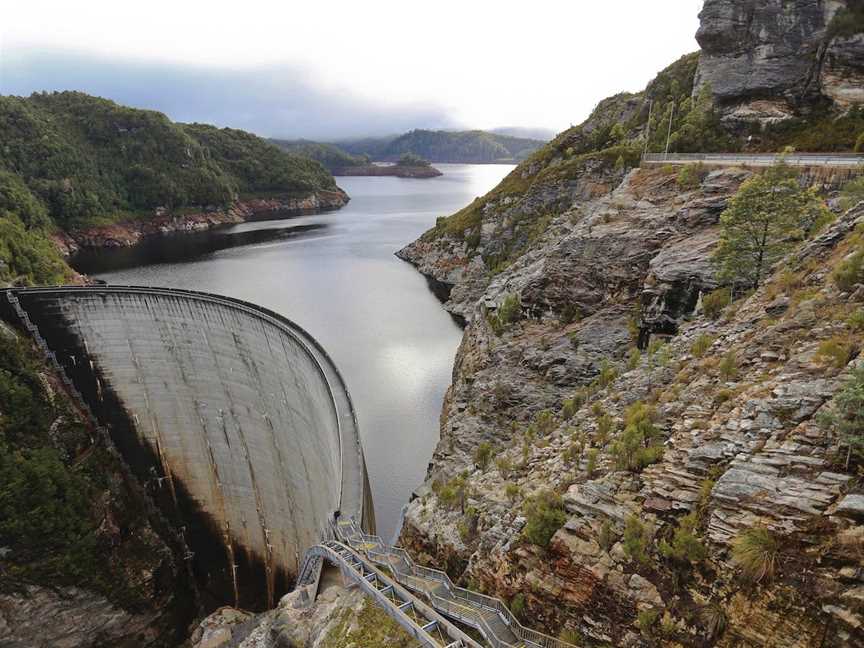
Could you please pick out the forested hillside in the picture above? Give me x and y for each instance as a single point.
(446, 146)
(72, 161)
(329, 155)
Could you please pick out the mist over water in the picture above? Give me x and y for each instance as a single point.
(335, 275)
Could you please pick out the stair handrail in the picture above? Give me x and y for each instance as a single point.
(491, 603)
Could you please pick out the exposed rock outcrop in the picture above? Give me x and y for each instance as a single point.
(78, 618)
(740, 451)
(766, 61)
(338, 617)
(128, 233)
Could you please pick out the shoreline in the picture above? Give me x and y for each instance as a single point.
(394, 170)
(133, 232)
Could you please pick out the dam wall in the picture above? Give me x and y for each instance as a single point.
(233, 417)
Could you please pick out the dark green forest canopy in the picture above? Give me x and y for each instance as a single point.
(330, 155)
(89, 161)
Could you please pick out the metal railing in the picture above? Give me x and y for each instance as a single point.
(845, 160)
(462, 599)
(394, 600)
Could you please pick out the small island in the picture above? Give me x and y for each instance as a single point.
(409, 165)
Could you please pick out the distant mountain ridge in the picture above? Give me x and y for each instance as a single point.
(471, 147)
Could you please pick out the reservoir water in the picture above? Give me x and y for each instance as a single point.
(335, 275)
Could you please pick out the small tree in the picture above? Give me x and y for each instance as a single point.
(685, 545)
(545, 515)
(846, 416)
(768, 214)
(637, 540)
(637, 445)
(482, 455)
(852, 192)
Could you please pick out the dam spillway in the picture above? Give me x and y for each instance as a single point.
(235, 417)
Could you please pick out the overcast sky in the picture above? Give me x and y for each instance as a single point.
(324, 68)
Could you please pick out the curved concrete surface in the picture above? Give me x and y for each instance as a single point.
(234, 416)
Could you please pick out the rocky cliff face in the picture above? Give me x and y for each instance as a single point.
(739, 451)
(583, 286)
(767, 61)
(339, 617)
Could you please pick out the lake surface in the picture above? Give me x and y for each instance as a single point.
(335, 275)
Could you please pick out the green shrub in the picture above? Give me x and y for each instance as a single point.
(482, 455)
(852, 192)
(608, 374)
(859, 144)
(451, 493)
(544, 516)
(17, 199)
(846, 416)
(545, 422)
(646, 620)
(570, 314)
(574, 637)
(849, 272)
(756, 551)
(637, 540)
(856, 320)
(714, 302)
(605, 425)
(714, 618)
(506, 314)
(701, 345)
(410, 159)
(504, 466)
(607, 536)
(591, 466)
(723, 396)
(836, 351)
(654, 346)
(512, 491)
(573, 453)
(685, 545)
(27, 256)
(637, 446)
(729, 366)
(518, 606)
(634, 357)
(569, 409)
(690, 176)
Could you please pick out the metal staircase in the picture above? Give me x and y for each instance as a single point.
(489, 615)
(420, 620)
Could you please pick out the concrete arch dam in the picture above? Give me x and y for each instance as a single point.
(234, 418)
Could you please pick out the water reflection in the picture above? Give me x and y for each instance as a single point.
(176, 248)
